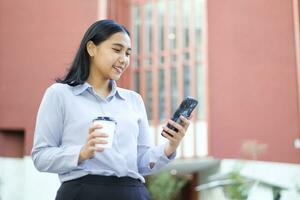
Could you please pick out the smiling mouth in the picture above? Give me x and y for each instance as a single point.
(118, 68)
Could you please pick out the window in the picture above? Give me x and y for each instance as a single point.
(161, 94)
(162, 60)
(185, 22)
(12, 143)
(160, 54)
(168, 62)
(186, 56)
(137, 81)
(148, 27)
(200, 91)
(136, 29)
(199, 17)
(136, 12)
(186, 80)
(172, 23)
(173, 58)
(161, 30)
(149, 94)
(174, 93)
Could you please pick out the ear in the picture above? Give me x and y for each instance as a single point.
(91, 48)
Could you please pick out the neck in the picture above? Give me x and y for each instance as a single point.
(100, 84)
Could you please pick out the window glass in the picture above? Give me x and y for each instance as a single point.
(12, 143)
(136, 29)
(147, 61)
(186, 80)
(162, 60)
(136, 62)
(137, 82)
(172, 23)
(186, 56)
(174, 90)
(185, 22)
(160, 24)
(161, 100)
(199, 17)
(200, 90)
(149, 94)
(173, 58)
(148, 28)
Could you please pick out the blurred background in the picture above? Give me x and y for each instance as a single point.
(240, 59)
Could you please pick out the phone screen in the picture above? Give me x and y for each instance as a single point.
(185, 109)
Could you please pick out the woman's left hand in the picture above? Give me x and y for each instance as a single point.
(173, 136)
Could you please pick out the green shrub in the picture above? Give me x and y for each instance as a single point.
(165, 186)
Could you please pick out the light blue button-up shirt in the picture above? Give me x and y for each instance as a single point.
(63, 120)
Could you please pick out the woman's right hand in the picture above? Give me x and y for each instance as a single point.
(94, 137)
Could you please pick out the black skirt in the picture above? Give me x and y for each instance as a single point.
(95, 187)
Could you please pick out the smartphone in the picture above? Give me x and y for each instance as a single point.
(185, 109)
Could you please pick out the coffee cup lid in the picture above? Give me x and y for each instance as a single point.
(105, 119)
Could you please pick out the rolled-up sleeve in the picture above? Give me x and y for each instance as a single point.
(47, 153)
(150, 158)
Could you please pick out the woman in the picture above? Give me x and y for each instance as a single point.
(65, 136)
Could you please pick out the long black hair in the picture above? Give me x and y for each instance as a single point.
(98, 32)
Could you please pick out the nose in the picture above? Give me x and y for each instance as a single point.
(122, 59)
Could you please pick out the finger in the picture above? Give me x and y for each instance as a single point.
(99, 149)
(175, 135)
(93, 141)
(168, 136)
(177, 126)
(185, 121)
(97, 134)
(169, 131)
(99, 141)
(190, 117)
(94, 127)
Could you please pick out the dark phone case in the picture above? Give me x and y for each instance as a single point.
(186, 108)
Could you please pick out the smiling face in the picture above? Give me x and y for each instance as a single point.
(110, 58)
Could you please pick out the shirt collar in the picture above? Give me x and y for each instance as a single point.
(116, 91)
(78, 89)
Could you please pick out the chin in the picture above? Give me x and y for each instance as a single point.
(115, 78)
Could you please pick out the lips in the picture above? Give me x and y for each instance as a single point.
(118, 68)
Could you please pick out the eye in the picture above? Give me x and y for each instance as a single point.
(116, 50)
(127, 53)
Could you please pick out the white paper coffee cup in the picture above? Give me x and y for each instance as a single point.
(108, 127)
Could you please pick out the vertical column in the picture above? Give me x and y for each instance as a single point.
(206, 72)
(102, 9)
(167, 63)
(141, 56)
(192, 67)
(296, 12)
(179, 57)
(154, 68)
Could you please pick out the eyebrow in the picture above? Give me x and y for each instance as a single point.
(121, 45)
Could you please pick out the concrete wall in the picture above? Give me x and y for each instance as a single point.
(265, 174)
(19, 180)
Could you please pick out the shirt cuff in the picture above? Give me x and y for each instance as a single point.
(72, 157)
(159, 154)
